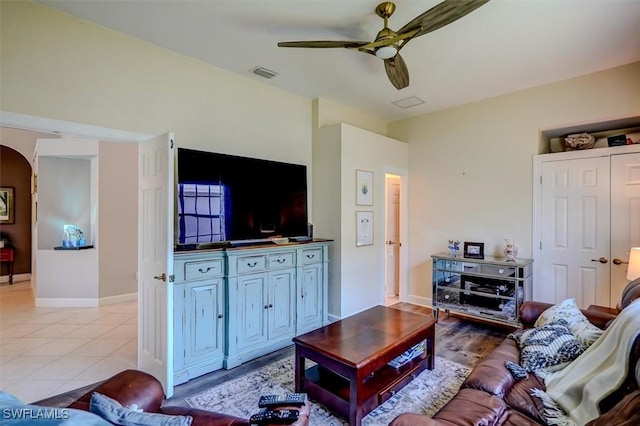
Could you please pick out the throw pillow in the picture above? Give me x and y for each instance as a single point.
(112, 411)
(517, 371)
(579, 325)
(551, 345)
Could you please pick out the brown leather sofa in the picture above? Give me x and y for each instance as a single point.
(136, 387)
(491, 396)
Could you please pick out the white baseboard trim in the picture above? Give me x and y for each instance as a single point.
(417, 300)
(333, 318)
(16, 278)
(121, 298)
(54, 302)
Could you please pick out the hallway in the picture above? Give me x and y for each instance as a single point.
(47, 351)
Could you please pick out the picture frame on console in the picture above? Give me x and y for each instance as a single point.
(474, 250)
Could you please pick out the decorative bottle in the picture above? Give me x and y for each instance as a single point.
(510, 249)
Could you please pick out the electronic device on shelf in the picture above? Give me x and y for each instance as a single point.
(283, 417)
(294, 399)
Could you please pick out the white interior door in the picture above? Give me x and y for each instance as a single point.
(155, 259)
(392, 235)
(625, 217)
(575, 223)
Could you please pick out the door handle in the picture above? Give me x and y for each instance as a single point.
(162, 277)
(391, 243)
(601, 260)
(617, 261)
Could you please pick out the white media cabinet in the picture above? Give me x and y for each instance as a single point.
(235, 304)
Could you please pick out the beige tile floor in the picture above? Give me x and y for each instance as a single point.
(47, 351)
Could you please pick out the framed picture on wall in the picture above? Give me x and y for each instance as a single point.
(364, 188)
(364, 229)
(7, 207)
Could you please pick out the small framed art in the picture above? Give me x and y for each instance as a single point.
(7, 207)
(364, 229)
(474, 250)
(364, 188)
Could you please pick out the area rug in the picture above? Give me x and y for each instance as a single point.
(425, 394)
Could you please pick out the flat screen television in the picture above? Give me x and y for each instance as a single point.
(237, 200)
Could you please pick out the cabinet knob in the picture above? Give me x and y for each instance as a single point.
(446, 296)
(270, 305)
(220, 316)
(266, 306)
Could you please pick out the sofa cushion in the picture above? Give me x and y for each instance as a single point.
(568, 311)
(490, 374)
(111, 410)
(469, 405)
(551, 345)
(520, 398)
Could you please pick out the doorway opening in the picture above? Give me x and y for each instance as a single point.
(393, 238)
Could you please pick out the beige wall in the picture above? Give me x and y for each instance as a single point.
(471, 166)
(356, 273)
(118, 224)
(56, 66)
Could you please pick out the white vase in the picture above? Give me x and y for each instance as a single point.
(510, 249)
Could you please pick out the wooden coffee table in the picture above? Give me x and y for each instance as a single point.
(351, 375)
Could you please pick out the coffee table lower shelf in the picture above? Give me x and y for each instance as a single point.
(333, 390)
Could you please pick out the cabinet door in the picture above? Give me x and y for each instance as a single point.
(205, 332)
(310, 299)
(252, 310)
(281, 306)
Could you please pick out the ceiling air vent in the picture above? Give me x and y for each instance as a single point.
(264, 72)
(409, 102)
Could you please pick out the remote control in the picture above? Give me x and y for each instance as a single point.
(279, 417)
(295, 399)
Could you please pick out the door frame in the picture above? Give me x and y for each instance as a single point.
(403, 251)
(538, 160)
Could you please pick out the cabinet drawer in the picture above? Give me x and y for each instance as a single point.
(281, 260)
(203, 269)
(311, 256)
(251, 264)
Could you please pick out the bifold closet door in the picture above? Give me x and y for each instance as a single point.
(575, 223)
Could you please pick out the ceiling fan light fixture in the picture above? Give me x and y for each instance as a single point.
(387, 52)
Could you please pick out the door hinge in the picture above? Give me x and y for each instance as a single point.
(540, 245)
(171, 146)
(540, 179)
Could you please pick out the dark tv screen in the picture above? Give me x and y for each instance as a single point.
(227, 198)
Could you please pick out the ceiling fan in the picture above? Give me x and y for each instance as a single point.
(388, 43)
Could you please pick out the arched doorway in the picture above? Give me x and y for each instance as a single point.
(15, 179)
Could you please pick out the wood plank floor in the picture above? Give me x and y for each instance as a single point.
(458, 339)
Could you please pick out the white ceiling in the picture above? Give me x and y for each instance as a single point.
(502, 47)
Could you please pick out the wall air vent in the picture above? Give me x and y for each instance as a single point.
(264, 72)
(409, 102)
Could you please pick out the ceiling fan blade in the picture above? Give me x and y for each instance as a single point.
(440, 15)
(322, 44)
(397, 71)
